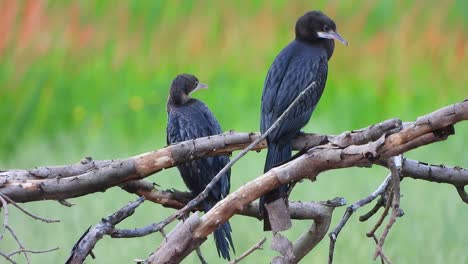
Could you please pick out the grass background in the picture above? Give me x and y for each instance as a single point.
(91, 78)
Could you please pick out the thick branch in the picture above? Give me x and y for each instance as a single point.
(457, 176)
(24, 185)
(94, 176)
(317, 231)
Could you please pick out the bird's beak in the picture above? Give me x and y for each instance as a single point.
(200, 86)
(332, 35)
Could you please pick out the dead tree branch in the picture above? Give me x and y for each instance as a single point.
(4, 200)
(317, 231)
(176, 199)
(395, 165)
(97, 176)
(425, 130)
(258, 245)
(349, 211)
(45, 220)
(88, 240)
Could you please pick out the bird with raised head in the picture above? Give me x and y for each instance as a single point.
(189, 118)
(301, 62)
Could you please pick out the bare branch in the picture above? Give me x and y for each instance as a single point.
(380, 203)
(180, 238)
(463, 195)
(258, 245)
(395, 164)
(22, 186)
(200, 256)
(317, 231)
(32, 251)
(456, 176)
(297, 210)
(382, 217)
(52, 172)
(21, 246)
(5, 216)
(349, 211)
(4, 201)
(5, 256)
(27, 212)
(107, 225)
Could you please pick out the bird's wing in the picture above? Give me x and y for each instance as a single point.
(289, 75)
(190, 122)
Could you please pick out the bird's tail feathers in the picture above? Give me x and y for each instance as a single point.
(222, 236)
(277, 154)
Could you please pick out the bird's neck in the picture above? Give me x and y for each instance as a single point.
(327, 44)
(178, 98)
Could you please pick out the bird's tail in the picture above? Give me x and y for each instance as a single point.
(276, 155)
(222, 236)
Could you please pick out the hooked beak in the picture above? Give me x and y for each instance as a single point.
(200, 86)
(332, 35)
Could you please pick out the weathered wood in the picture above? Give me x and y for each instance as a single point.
(98, 175)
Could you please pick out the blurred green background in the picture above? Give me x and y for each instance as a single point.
(91, 78)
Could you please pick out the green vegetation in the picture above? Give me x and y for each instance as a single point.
(90, 78)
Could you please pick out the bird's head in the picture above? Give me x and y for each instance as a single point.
(314, 26)
(182, 86)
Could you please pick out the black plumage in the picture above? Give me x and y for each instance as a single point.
(300, 63)
(189, 118)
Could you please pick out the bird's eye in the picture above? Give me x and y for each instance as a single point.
(326, 28)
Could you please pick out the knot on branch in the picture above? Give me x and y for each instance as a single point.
(444, 132)
(86, 160)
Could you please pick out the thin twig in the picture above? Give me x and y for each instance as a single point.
(380, 203)
(32, 251)
(7, 258)
(258, 245)
(27, 212)
(382, 217)
(395, 165)
(200, 256)
(463, 194)
(18, 242)
(382, 261)
(200, 197)
(383, 257)
(349, 211)
(22, 249)
(163, 233)
(5, 216)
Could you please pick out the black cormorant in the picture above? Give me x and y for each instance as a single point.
(189, 118)
(300, 63)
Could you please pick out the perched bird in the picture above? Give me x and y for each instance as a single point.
(300, 63)
(189, 118)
